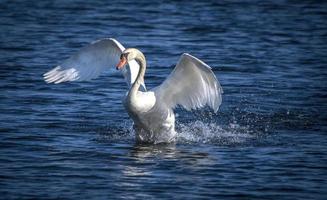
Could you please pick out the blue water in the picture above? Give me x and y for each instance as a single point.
(75, 141)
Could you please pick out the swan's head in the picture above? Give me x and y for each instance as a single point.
(127, 55)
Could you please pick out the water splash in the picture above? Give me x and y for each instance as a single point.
(190, 132)
(212, 133)
(123, 133)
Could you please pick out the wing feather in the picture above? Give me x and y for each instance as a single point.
(90, 61)
(192, 84)
(87, 63)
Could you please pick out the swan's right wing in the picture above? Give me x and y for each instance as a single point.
(87, 63)
(90, 61)
(192, 84)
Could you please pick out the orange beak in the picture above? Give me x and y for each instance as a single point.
(121, 63)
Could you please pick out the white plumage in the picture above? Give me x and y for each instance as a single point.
(90, 61)
(192, 85)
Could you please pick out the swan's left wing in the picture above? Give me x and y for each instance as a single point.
(192, 84)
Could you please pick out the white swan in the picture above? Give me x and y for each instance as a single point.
(191, 85)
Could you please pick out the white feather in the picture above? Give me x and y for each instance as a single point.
(191, 84)
(90, 61)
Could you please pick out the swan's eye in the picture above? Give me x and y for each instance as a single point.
(124, 55)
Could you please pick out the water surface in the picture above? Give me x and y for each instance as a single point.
(74, 140)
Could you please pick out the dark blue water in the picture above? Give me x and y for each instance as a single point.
(74, 140)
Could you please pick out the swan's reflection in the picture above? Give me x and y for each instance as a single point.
(143, 152)
(147, 160)
(144, 157)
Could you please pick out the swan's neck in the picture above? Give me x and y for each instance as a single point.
(140, 76)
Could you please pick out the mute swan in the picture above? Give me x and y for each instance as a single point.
(191, 85)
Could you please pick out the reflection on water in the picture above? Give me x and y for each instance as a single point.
(140, 151)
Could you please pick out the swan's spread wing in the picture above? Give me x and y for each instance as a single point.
(87, 63)
(90, 61)
(192, 85)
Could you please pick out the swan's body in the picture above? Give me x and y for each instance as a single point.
(192, 85)
(152, 123)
